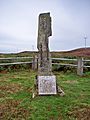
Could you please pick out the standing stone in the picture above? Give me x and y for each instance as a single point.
(46, 80)
(44, 31)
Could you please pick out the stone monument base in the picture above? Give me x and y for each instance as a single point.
(46, 85)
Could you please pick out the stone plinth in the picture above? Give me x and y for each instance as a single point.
(47, 85)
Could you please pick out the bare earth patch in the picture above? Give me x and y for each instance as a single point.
(10, 110)
(82, 113)
(29, 90)
(11, 88)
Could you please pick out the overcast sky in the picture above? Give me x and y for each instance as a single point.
(19, 24)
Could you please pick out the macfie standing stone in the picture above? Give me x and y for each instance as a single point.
(44, 31)
(46, 80)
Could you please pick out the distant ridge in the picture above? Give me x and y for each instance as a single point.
(79, 49)
(79, 52)
(84, 52)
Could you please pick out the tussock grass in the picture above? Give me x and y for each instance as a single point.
(16, 102)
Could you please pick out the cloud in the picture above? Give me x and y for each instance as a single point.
(19, 23)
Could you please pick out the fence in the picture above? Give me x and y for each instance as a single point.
(33, 60)
(15, 58)
(80, 64)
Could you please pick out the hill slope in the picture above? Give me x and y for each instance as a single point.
(85, 52)
(80, 52)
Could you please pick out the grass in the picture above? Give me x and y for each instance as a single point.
(16, 102)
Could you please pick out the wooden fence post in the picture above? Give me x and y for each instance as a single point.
(80, 66)
(34, 63)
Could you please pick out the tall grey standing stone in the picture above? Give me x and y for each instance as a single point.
(44, 31)
(45, 79)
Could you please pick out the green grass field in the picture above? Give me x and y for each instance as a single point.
(16, 102)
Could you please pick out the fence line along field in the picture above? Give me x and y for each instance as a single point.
(79, 63)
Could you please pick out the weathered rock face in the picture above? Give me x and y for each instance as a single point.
(44, 31)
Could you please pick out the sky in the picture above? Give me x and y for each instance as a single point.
(19, 24)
